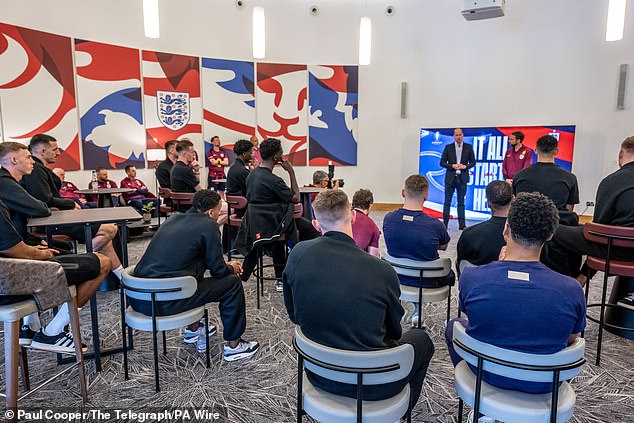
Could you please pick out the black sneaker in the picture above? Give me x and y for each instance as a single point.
(60, 343)
(26, 335)
(627, 302)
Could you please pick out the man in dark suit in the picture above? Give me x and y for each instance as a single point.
(457, 158)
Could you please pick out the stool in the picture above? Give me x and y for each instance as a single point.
(11, 314)
(612, 236)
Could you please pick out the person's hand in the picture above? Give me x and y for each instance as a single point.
(509, 181)
(237, 267)
(461, 166)
(502, 255)
(77, 207)
(83, 200)
(48, 252)
(195, 164)
(287, 166)
(455, 166)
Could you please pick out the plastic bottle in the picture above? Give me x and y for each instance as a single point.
(94, 184)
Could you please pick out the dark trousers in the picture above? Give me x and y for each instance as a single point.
(423, 352)
(461, 190)
(279, 259)
(226, 291)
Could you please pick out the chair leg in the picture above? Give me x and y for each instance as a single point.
(164, 344)
(24, 369)
(156, 369)
(602, 317)
(208, 364)
(583, 332)
(124, 335)
(449, 306)
(259, 274)
(11, 348)
(79, 354)
(460, 407)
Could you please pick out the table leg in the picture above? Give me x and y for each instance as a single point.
(123, 234)
(100, 199)
(93, 306)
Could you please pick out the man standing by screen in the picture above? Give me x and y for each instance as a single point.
(457, 158)
(517, 157)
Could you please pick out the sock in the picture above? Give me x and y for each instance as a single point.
(61, 319)
(33, 320)
(118, 271)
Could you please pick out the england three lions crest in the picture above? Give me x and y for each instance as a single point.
(173, 109)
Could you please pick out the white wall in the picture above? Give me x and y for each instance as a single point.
(545, 63)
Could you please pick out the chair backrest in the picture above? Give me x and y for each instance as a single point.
(403, 355)
(464, 264)
(431, 269)
(599, 234)
(182, 198)
(186, 286)
(298, 211)
(165, 193)
(570, 356)
(237, 202)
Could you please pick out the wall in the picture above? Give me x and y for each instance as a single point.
(544, 63)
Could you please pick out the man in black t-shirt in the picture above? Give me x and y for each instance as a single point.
(165, 167)
(238, 172)
(86, 271)
(481, 244)
(550, 180)
(182, 177)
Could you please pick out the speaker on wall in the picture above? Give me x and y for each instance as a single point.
(622, 89)
(403, 100)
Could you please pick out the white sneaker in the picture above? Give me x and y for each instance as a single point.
(483, 419)
(410, 309)
(279, 286)
(244, 349)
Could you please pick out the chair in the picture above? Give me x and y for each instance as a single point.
(360, 368)
(13, 273)
(612, 236)
(511, 405)
(234, 203)
(180, 199)
(156, 290)
(259, 268)
(423, 269)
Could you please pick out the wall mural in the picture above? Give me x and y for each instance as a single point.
(183, 96)
(37, 89)
(109, 101)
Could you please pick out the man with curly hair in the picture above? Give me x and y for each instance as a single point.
(518, 303)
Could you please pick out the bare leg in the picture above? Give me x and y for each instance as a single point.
(102, 242)
(87, 289)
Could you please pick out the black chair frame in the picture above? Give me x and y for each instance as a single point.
(301, 356)
(153, 293)
(483, 357)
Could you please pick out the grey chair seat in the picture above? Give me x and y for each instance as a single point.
(326, 407)
(430, 295)
(16, 311)
(142, 322)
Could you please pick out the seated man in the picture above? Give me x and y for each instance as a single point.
(165, 167)
(16, 162)
(480, 244)
(198, 238)
(344, 298)
(67, 190)
(614, 206)
(517, 303)
(364, 231)
(549, 179)
(141, 195)
(412, 234)
(238, 172)
(86, 271)
(104, 182)
(182, 177)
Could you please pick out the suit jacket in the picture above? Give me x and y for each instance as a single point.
(449, 158)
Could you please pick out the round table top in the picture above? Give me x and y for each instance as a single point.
(308, 190)
(219, 180)
(104, 191)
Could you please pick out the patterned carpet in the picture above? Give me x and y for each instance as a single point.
(263, 388)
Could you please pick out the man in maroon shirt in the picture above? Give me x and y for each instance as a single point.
(517, 157)
(67, 191)
(104, 182)
(141, 195)
(364, 231)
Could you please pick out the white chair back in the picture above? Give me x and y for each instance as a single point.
(568, 355)
(409, 267)
(464, 264)
(403, 355)
(187, 285)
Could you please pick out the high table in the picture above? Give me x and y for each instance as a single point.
(118, 215)
(103, 194)
(304, 195)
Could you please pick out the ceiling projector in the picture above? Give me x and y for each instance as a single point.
(473, 10)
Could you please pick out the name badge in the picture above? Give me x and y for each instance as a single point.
(520, 276)
(408, 218)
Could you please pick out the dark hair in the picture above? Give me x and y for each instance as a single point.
(9, 147)
(205, 200)
(242, 146)
(270, 147)
(213, 138)
(519, 135)
(547, 144)
(628, 145)
(99, 169)
(170, 143)
(499, 194)
(40, 140)
(183, 145)
(128, 167)
(331, 206)
(416, 186)
(533, 218)
(362, 199)
(319, 176)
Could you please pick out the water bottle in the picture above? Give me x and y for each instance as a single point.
(94, 184)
